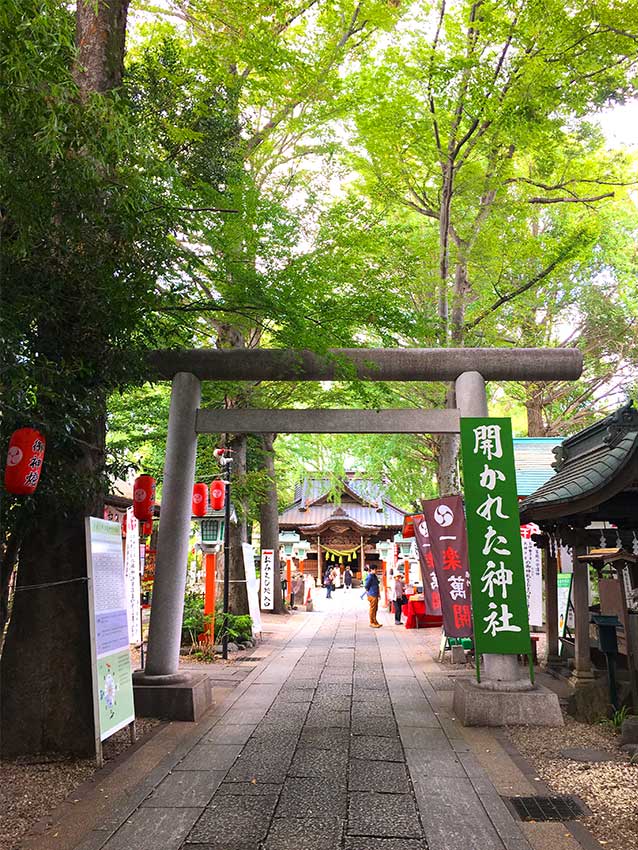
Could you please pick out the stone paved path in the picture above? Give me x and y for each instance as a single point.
(336, 744)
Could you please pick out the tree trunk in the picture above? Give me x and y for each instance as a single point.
(45, 675)
(535, 423)
(269, 514)
(237, 593)
(100, 38)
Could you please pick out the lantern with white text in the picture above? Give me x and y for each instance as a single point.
(144, 497)
(217, 493)
(200, 492)
(24, 461)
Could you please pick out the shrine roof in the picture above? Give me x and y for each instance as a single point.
(591, 467)
(362, 503)
(533, 458)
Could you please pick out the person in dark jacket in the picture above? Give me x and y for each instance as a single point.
(372, 589)
(347, 578)
(328, 583)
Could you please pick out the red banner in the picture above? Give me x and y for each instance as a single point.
(430, 580)
(445, 520)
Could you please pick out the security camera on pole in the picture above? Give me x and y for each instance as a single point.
(226, 462)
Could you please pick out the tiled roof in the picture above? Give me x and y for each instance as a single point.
(362, 503)
(592, 466)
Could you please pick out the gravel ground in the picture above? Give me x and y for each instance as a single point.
(610, 789)
(31, 787)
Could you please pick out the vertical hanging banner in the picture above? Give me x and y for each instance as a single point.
(499, 600)
(445, 521)
(252, 587)
(533, 563)
(132, 577)
(267, 579)
(428, 573)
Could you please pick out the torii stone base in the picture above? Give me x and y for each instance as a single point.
(184, 698)
(477, 706)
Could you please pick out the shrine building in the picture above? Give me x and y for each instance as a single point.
(352, 525)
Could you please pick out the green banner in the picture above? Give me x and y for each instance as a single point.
(499, 600)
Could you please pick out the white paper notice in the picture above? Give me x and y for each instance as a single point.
(267, 579)
(132, 577)
(252, 586)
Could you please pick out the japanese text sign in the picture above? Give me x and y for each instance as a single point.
(267, 579)
(430, 581)
(448, 547)
(499, 600)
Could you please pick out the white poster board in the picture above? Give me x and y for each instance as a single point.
(109, 632)
(132, 577)
(252, 587)
(267, 579)
(533, 564)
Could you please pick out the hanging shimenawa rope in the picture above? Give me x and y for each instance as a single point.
(338, 556)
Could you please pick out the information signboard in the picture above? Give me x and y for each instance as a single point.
(533, 561)
(563, 593)
(499, 600)
(267, 579)
(111, 660)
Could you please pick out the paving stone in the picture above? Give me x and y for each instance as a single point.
(319, 717)
(226, 735)
(325, 738)
(354, 842)
(376, 748)
(434, 764)
(236, 716)
(385, 727)
(417, 717)
(322, 764)
(383, 815)
(186, 789)
(222, 825)
(145, 830)
(294, 695)
(388, 777)
(310, 833)
(262, 761)
(332, 702)
(424, 738)
(207, 756)
(248, 789)
(450, 818)
(341, 688)
(362, 711)
(302, 798)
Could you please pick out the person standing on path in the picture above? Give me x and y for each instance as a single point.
(347, 578)
(372, 589)
(328, 582)
(366, 571)
(297, 591)
(399, 597)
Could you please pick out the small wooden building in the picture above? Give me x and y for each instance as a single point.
(591, 505)
(344, 528)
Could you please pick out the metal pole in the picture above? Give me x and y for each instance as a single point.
(228, 463)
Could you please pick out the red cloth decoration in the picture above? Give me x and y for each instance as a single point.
(24, 461)
(144, 497)
(200, 492)
(217, 495)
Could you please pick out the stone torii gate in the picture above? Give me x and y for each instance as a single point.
(160, 690)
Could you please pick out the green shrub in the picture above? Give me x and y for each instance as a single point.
(239, 627)
(194, 621)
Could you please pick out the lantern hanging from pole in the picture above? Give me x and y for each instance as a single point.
(147, 528)
(24, 461)
(217, 495)
(200, 492)
(144, 497)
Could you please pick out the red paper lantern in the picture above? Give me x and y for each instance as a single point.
(217, 495)
(200, 492)
(147, 528)
(24, 461)
(144, 497)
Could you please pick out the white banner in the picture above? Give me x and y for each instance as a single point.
(267, 579)
(532, 561)
(132, 577)
(252, 586)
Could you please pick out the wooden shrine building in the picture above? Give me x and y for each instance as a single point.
(590, 504)
(351, 527)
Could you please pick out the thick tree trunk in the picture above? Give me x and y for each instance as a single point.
(237, 593)
(45, 674)
(100, 38)
(269, 514)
